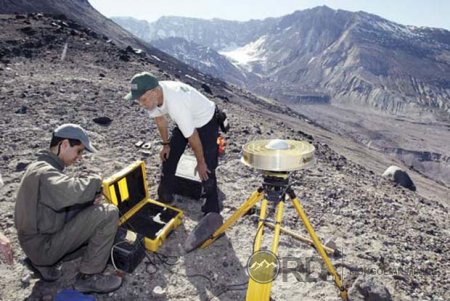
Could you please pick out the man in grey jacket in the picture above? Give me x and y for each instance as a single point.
(58, 216)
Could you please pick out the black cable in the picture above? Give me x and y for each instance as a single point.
(282, 195)
(256, 235)
(229, 289)
(211, 285)
(150, 261)
(164, 260)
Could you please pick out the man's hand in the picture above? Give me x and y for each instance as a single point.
(202, 170)
(6, 253)
(164, 153)
(161, 123)
(98, 199)
(196, 145)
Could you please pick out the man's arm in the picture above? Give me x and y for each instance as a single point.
(162, 124)
(196, 145)
(59, 191)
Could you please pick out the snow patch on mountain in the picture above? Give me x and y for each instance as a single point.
(245, 56)
(397, 29)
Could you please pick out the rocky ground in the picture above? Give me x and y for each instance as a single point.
(394, 242)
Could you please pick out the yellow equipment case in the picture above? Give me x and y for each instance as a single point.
(128, 190)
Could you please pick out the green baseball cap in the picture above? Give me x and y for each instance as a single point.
(141, 83)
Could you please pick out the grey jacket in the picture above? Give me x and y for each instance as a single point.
(43, 196)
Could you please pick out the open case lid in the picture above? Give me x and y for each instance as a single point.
(127, 188)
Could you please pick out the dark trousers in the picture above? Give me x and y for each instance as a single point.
(208, 136)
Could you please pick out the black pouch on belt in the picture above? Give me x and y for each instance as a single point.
(222, 120)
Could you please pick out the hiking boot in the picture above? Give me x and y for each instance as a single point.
(97, 283)
(46, 273)
(163, 197)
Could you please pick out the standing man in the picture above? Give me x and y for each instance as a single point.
(57, 215)
(194, 115)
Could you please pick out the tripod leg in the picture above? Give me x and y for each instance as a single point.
(318, 245)
(260, 233)
(258, 291)
(251, 201)
(279, 218)
(300, 237)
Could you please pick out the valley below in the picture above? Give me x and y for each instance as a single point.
(418, 147)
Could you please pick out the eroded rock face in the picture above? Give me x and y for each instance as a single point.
(318, 54)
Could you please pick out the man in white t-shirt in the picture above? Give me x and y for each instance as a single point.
(196, 124)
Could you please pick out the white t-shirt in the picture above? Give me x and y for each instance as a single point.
(186, 106)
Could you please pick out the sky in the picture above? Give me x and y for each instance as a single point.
(431, 13)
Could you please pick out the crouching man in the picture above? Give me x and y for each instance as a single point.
(58, 216)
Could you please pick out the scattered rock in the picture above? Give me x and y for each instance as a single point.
(158, 291)
(330, 243)
(133, 50)
(26, 280)
(368, 288)
(21, 110)
(224, 98)
(124, 57)
(207, 89)
(399, 176)
(105, 121)
(28, 30)
(21, 166)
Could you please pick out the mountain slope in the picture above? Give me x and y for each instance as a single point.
(79, 11)
(348, 58)
(391, 238)
(347, 71)
(82, 12)
(216, 33)
(346, 202)
(202, 58)
(360, 59)
(196, 42)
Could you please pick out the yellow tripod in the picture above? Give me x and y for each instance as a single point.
(274, 188)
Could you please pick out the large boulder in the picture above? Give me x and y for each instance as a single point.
(399, 176)
(368, 288)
